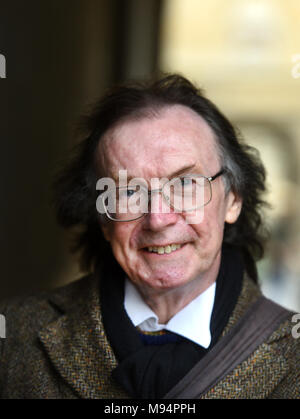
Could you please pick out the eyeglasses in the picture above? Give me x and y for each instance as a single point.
(183, 194)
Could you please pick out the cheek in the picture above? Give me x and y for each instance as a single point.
(120, 240)
(212, 226)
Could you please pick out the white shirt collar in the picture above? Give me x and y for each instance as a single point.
(192, 322)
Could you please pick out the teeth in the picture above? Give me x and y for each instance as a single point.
(166, 249)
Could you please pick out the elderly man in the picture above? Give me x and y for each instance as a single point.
(171, 308)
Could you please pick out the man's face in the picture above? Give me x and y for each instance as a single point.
(177, 141)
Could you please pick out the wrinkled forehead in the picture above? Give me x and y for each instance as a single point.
(156, 145)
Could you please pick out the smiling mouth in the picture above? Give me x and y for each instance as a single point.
(161, 250)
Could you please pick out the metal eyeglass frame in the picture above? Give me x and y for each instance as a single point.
(160, 190)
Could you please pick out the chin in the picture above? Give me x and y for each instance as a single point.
(166, 281)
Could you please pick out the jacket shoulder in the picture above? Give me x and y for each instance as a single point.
(25, 371)
(285, 343)
(25, 315)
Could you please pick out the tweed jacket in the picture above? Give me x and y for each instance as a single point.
(56, 348)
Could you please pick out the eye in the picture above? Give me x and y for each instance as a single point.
(185, 181)
(126, 193)
(130, 192)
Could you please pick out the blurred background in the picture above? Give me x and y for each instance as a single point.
(62, 54)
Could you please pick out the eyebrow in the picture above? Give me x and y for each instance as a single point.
(182, 170)
(172, 175)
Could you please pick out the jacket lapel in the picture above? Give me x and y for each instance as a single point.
(256, 376)
(78, 347)
(259, 374)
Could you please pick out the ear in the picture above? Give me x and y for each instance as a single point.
(233, 207)
(105, 230)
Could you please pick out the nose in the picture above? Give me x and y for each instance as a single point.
(160, 214)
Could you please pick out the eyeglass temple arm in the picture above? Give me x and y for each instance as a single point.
(221, 172)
